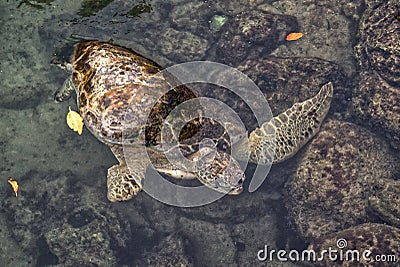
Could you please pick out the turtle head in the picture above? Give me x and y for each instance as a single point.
(219, 171)
(63, 58)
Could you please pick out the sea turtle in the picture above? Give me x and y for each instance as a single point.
(109, 79)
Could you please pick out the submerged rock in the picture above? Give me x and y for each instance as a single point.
(249, 29)
(211, 249)
(328, 28)
(52, 217)
(379, 46)
(169, 252)
(253, 235)
(376, 100)
(182, 46)
(285, 81)
(379, 239)
(385, 201)
(194, 17)
(341, 169)
(87, 239)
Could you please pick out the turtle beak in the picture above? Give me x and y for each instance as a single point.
(236, 191)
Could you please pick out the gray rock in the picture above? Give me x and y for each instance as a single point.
(51, 217)
(169, 252)
(377, 96)
(11, 253)
(379, 239)
(285, 81)
(236, 209)
(195, 17)
(235, 7)
(377, 103)
(385, 201)
(40, 138)
(339, 171)
(329, 33)
(249, 29)
(24, 71)
(210, 244)
(30, 221)
(180, 46)
(85, 240)
(379, 46)
(251, 236)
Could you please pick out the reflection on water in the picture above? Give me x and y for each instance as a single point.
(39, 4)
(91, 7)
(139, 9)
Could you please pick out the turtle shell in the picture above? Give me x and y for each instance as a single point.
(120, 97)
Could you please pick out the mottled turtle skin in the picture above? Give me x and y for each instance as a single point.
(111, 81)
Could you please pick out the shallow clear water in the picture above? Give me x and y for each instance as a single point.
(62, 215)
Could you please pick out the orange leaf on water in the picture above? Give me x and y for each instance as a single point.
(294, 36)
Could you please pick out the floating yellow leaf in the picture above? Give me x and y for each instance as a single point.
(14, 185)
(294, 36)
(75, 121)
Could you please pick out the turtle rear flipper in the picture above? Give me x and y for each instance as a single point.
(123, 183)
(65, 91)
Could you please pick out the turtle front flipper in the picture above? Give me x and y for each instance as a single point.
(218, 170)
(122, 182)
(281, 137)
(65, 91)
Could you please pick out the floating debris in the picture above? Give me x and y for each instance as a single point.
(294, 36)
(217, 22)
(75, 121)
(14, 185)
